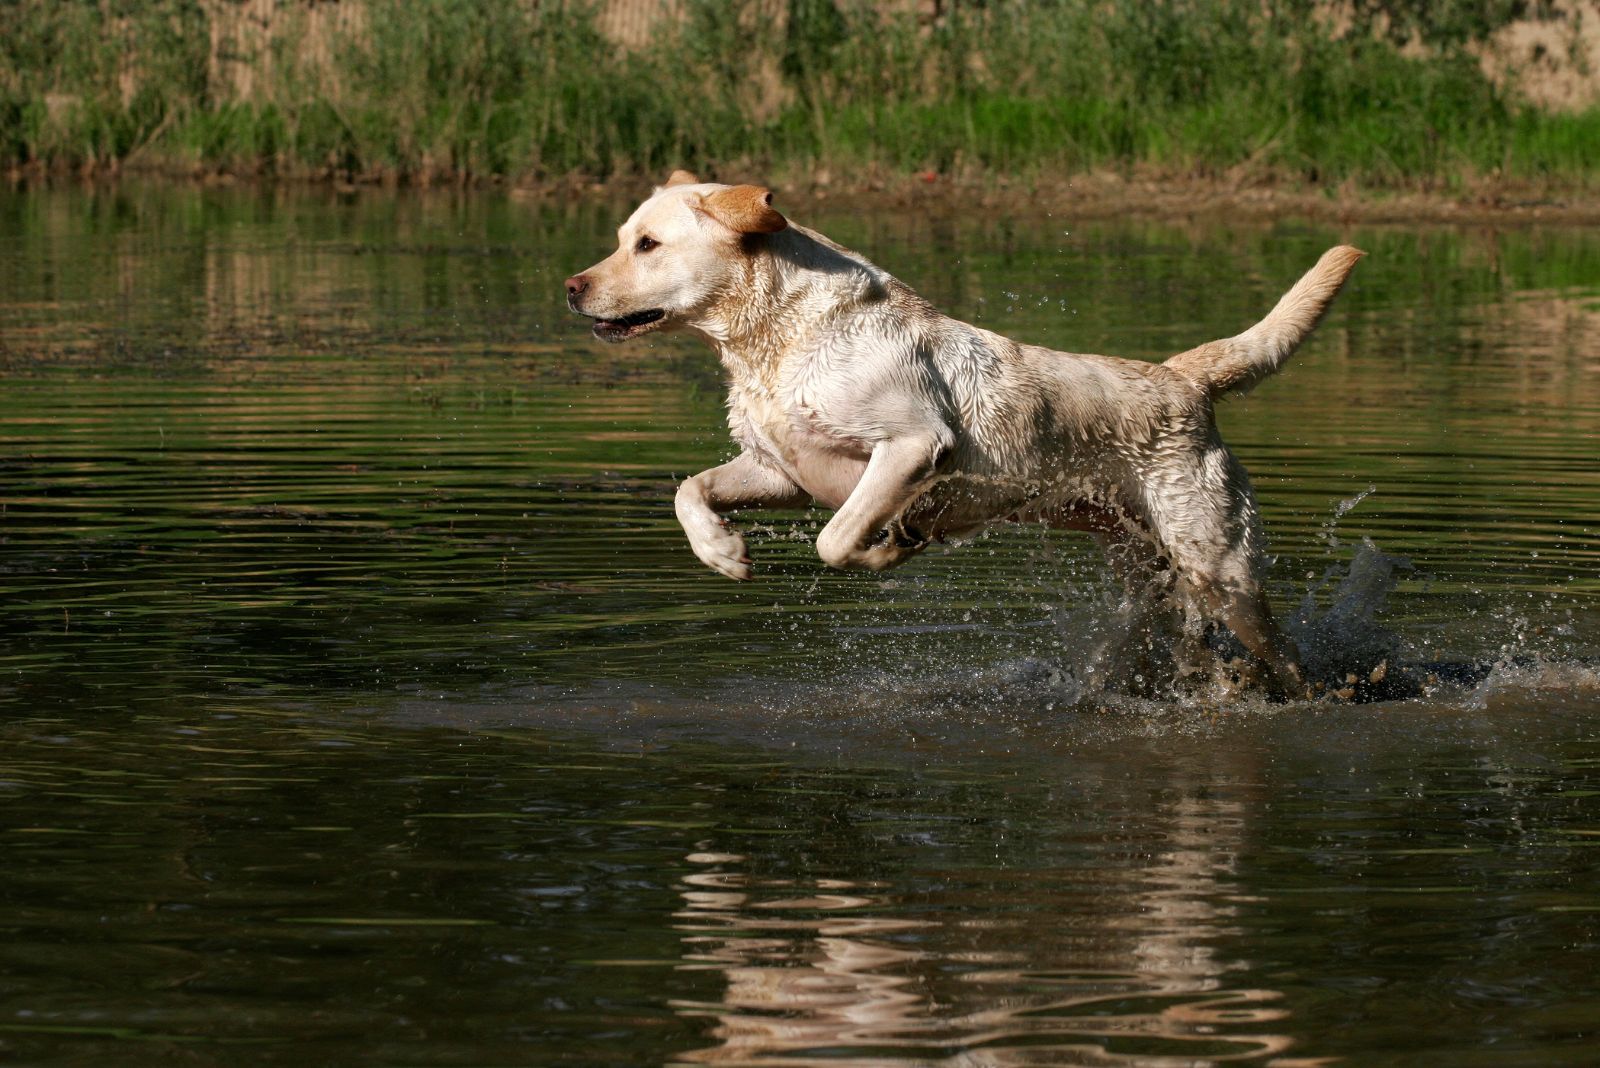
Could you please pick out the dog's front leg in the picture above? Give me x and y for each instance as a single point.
(863, 533)
(743, 482)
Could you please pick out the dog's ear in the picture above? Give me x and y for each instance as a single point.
(680, 178)
(745, 209)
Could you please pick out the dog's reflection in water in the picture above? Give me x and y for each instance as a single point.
(1111, 963)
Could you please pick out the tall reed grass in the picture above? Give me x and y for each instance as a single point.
(428, 89)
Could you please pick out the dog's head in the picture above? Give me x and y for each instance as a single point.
(676, 255)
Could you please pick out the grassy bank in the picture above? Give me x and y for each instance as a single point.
(432, 90)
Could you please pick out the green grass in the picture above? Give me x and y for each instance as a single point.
(430, 89)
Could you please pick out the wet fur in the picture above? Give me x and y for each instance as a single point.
(847, 388)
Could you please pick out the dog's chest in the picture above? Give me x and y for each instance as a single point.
(823, 462)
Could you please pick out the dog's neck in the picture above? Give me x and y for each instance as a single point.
(791, 284)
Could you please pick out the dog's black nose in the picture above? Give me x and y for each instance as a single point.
(577, 286)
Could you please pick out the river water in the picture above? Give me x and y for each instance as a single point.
(361, 703)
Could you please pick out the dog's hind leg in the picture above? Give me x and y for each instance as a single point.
(1213, 538)
(1248, 614)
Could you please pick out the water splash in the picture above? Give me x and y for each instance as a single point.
(1082, 644)
(1513, 681)
(1330, 528)
(1344, 649)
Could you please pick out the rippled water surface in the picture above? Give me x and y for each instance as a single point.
(360, 701)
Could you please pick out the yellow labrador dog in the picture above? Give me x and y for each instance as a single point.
(848, 389)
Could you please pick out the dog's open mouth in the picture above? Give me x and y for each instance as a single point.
(627, 326)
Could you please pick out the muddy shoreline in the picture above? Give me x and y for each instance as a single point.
(1103, 195)
(1090, 195)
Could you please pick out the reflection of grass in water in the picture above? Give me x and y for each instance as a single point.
(509, 88)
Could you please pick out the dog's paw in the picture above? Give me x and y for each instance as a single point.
(879, 556)
(886, 549)
(721, 548)
(893, 546)
(883, 555)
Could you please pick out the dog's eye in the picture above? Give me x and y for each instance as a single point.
(646, 244)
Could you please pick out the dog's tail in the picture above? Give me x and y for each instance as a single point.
(1240, 362)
